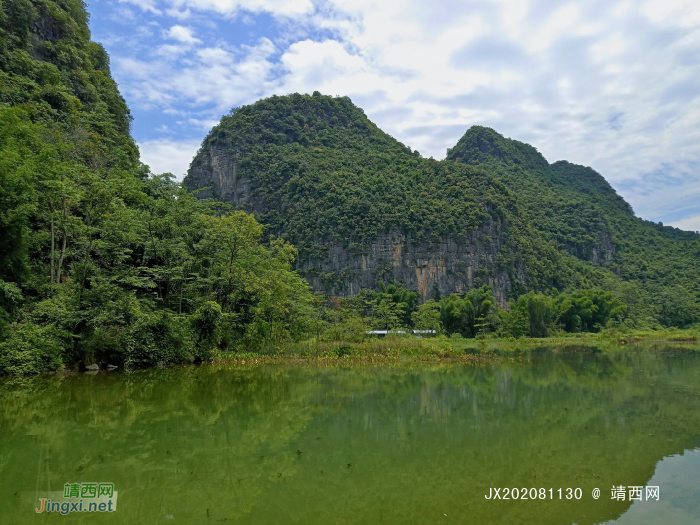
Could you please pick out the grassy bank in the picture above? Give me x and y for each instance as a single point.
(397, 348)
(609, 337)
(387, 349)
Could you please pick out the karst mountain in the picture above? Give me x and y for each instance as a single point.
(363, 208)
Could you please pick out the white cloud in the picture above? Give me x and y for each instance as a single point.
(211, 76)
(182, 34)
(691, 224)
(165, 155)
(172, 52)
(205, 124)
(145, 5)
(180, 15)
(677, 12)
(613, 84)
(285, 8)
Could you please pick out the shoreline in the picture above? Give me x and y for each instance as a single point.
(405, 350)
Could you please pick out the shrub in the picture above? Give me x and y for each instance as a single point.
(156, 339)
(206, 328)
(32, 349)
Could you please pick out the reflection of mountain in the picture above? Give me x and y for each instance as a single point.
(678, 478)
(185, 442)
(422, 444)
(405, 444)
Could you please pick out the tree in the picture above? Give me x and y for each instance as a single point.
(408, 300)
(457, 314)
(588, 310)
(427, 317)
(386, 314)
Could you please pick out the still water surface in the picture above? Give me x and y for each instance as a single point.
(410, 443)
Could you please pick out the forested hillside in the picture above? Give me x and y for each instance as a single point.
(99, 259)
(576, 208)
(363, 208)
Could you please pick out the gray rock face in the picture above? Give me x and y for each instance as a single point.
(216, 168)
(449, 267)
(600, 253)
(93, 367)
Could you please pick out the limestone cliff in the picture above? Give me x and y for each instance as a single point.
(450, 266)
(363, 208)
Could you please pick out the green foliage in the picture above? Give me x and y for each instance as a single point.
(457, 314)
(206, 328)
(427, 317)
(539, 311)
(651, 267)
(156, 339)
(588, 310)
(677, 306)
(405, 299)
(537, 315)
(337, 319)
(467, 315)
(128, 264)
(32, 349)
(10, 299)
(321, 173)
(102, 260)
(386, 314)
(514, 323)
(49, 67)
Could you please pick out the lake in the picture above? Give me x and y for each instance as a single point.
(406, 443)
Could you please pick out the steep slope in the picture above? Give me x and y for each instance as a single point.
(362, 207)
(56, 93)
(51, 69)
(100, 260)
(576, 208)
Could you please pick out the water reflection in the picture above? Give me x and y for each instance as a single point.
(678, 478)
(415, 443)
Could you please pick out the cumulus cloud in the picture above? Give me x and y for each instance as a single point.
(145, 5)
(691, 223)
(611, 84)
(166, 155)
(212, 76)
(182, 34)
(285, 8)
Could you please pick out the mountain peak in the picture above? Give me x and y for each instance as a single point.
(481, 144)
(308, 120)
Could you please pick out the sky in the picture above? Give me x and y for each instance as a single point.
(610, 84)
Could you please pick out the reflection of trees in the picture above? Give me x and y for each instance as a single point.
(439, 438)
(181, 440)
(417, 437)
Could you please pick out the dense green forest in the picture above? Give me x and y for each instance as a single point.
(576, 208)
(103, 261)
(324, 173)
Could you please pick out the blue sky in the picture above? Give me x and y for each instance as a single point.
(611, 84)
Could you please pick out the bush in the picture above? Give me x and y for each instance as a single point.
(206, 328)
(341, 351)
(156, 339)
(32, 349)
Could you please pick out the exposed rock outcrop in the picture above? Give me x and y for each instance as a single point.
(448, 267)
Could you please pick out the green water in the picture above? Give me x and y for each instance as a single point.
(411, 443)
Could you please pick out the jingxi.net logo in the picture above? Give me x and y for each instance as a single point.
(80, 497)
